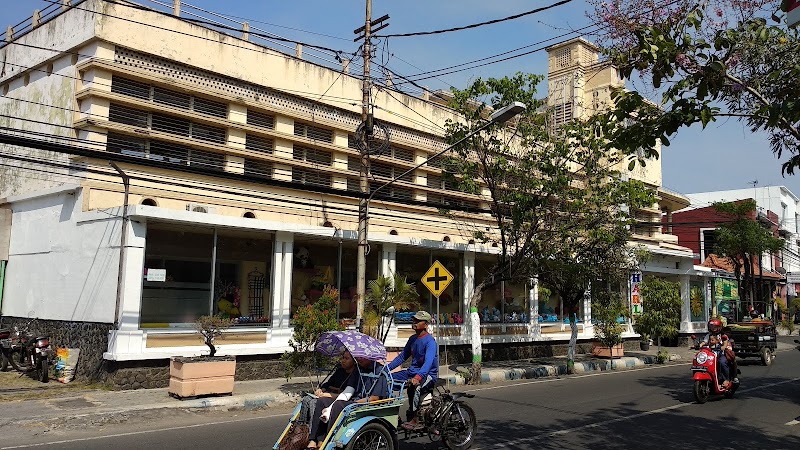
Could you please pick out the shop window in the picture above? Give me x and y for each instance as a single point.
(242, 277)
(177, 276)
(412, 263)
(315, 265)
(348, 303)
(503, 302)
(551, 309)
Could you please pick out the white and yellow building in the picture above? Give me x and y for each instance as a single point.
(243, 185)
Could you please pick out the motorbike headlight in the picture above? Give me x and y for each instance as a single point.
(702, 357)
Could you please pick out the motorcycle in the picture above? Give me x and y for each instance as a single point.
(5, 348)
(30, 353)
(704, 374)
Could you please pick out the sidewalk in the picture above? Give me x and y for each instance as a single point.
(73, 400)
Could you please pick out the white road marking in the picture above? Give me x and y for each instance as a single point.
(134, 433)
(792, 422)
(622, 419)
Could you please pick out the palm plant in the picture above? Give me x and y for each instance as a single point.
(386, 295)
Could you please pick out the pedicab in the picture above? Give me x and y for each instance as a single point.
(374, 425)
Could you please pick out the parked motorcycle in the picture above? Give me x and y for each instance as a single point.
(5, 348)
(31, 353)
(704, 374)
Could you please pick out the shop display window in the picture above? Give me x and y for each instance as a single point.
(315, 264)
(348, 304)
(412, 263)
(176, 287)
(242, 277)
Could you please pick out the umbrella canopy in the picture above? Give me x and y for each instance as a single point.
(332, 343)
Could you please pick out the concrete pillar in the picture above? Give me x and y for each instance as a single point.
(66, 4)
(340, 159)
(282, 280)
(132, 270)
(36, 19)
(298, 50)
(346, 65)
(9, 33)
(245, 31)
(389, 260)
(176, 8)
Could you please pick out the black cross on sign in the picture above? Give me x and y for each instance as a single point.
(436, 278)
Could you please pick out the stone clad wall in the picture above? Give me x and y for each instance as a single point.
(90, 337)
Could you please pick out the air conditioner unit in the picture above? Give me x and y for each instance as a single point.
(197, 207)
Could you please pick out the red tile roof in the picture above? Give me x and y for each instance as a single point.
(723, 263)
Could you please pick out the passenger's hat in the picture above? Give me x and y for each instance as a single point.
(422, 316)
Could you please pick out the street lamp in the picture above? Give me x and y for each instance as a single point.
(502, 115)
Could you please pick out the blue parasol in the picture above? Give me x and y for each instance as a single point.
(360, 345)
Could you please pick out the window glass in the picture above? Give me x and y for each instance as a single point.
(412, 263)
(490, 308)
(349, 303)
(515, 303)
(177, 276)
(242, 276)
(314, 265)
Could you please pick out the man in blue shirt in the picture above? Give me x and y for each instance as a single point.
(424, 370)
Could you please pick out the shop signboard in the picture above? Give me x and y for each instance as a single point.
(726, 297)
(636, 296)
(156, 274)
(793, 277)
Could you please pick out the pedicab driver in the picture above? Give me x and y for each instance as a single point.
(424, 370)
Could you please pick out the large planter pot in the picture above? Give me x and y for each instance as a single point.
(602, 351)
(201, 376)
(644, 345)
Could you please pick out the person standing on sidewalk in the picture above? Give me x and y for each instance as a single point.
(424, 370)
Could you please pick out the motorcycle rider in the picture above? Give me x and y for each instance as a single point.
(714, 340)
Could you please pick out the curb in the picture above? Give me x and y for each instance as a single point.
(544, 371)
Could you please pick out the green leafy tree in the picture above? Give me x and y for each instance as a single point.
(742, 240)
(558, 204)
(661, 304)
(607, 309)
(386, 293)
(309, 323)
(709, 59)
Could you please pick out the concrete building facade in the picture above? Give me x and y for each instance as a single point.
(236, 179)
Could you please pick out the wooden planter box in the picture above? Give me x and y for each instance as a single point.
(602, 351)
(196, 377)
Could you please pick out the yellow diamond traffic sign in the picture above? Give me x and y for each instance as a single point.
(437, 278)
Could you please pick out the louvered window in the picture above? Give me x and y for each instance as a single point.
(435, 182)
(132, 88)
(208, 133)
(166, 152)
(351, 142)
(403, 154)
(128, 116)
(210, 107)
(311, 155)
(435, 162)
(126, 145)
(390, 172)
(260, 119)
(311, 177)
(259, 143)
(392, 191)
(354, 184)
(354, 164)
(171, 125)
(257, 168)
(171, 98)
(312, 132)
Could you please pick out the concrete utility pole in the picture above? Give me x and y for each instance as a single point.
(366, 117)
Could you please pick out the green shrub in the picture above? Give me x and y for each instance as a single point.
(309, 323)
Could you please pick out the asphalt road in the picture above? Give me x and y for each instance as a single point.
(646, 408)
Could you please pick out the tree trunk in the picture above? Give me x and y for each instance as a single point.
(475, 334)
(573, 339)
(213, 350)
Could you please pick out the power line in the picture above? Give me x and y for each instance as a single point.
(476, 25)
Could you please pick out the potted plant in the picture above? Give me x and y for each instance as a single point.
(661, 309)
(204, 375)
(610, 312)
(644, 342)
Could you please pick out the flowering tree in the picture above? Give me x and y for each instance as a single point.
(710, 59)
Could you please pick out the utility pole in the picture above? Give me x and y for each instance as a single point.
(366, 118)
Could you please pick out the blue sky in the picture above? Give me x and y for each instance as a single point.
(724, 156)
